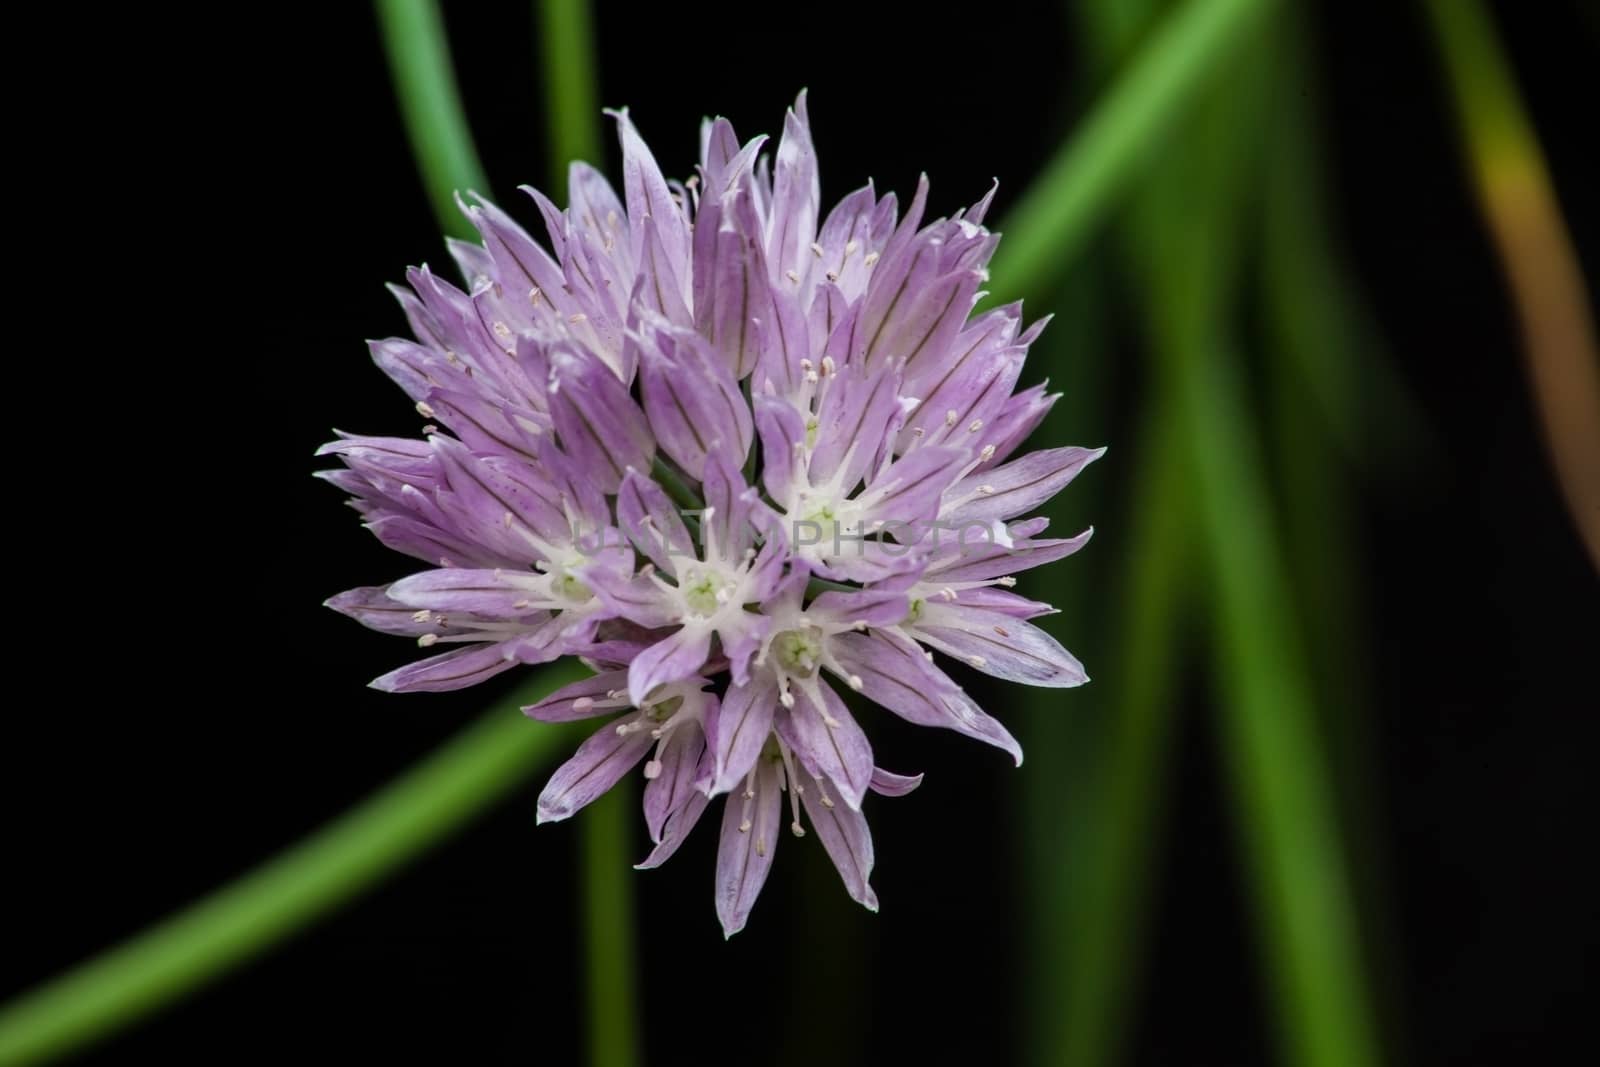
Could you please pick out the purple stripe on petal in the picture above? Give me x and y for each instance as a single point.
(829, 742)
(599, 764)
(442, 674)
(669, 660)
(895, 673)
(749, 838)
(844, 835)
(736, 730)
(675, 831)
(1018, 486)
(583, 699)
(673, 785)
(997, 644)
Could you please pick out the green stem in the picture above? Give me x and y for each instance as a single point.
(676, 486)
(1049, 224)
(567, 44)
(609, 927)
(1106, 926)
(482, 765)
(424, 82)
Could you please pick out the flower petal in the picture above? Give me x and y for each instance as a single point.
(669, 660)
(844, 834)
(454, 670)
(828, 741)
(895, 673)
(736, 730)
(597, 421)
(673, 785)
(583, 699)
(1000, 645)
(890, 784)
(749, 838)
(1016, 487)
(599, 764)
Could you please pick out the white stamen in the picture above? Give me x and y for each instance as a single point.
(1007, 581)
(952, 417)
(976, 660)
(427, 640)
(792, 276)
(872, 257)
(583, 704)
(855, 680)
(420, 616)
(579, 317)
(1002, 631)
(977, 424)
(425, 411)
(652, 769)
(816, 249)
(850, 247)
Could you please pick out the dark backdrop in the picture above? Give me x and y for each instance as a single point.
(182, 707)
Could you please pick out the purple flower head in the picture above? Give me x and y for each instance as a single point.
(745, 457)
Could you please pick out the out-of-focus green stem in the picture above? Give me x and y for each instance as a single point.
(299, 886)
(609, 934)
(424, 82)
(610, 925)
(1048, 225)
(1101, 951)
(1547, 284)
(1283, 797)
(566, 41)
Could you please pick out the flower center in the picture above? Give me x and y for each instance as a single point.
(663, 711)
(798, 651)
(569, 586)
(704, 592)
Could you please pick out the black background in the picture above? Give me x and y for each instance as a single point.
(219, 218)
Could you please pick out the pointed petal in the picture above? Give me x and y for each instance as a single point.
(1016, 487)
(1000, 645)
(491, 594)
(844, 834)
(651, 521)
(670, 660)
(890, 784)
(453, 670)
(675, 830)
(692, 400)
(736, 730)
(749, 838)
(673, 786)
(896, 673)
(597, 421)
(583, 699)
(599, 764)
(829, 742)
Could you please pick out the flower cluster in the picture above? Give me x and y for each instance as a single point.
(739, 457)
